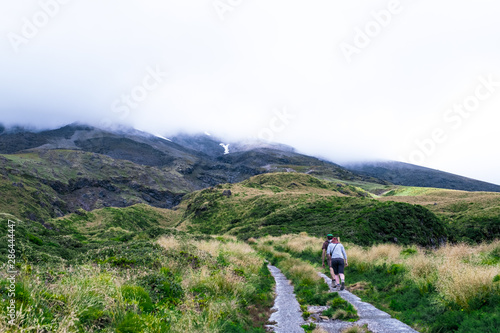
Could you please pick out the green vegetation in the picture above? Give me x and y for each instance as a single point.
(455, 288)
(83, 278)
(83, 234)
(48, 184)
(147, 269)
(308, 204)
(471, 217)
(309, 287)
(341, 309)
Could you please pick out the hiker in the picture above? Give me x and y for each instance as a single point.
(325, 246)
(338, 258)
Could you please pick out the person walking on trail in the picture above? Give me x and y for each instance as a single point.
(325, 246)
(338, 259)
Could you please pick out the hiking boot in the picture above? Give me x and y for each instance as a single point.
(342, 286)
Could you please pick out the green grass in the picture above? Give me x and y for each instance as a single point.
(341, 309)
(141, 286)
(308, 204)
(44, 185)
(404, 281)
(406, 301)
(472, 217)
(309, 287)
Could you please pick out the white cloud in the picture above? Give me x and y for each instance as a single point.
(228, 76)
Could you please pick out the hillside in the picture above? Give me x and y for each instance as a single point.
(49, 174)
(43, 184)
(282, 203)
(474, 216)
(268, 204)
(76, 278)
(399, 173)
(52, 173)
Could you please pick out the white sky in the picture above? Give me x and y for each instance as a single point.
(231, 76)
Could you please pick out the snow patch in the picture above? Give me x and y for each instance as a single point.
(226, 148)
(162, 137)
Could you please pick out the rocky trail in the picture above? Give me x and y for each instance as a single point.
(288, 316)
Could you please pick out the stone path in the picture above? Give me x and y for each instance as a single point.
(287, 316)
(378, 321)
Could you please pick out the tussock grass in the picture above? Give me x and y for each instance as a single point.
(302, 243)
(196, 286)
(434, 290)
(461, 283)
(169, 242)
(357, 329)
(455, 270)
(301, 271)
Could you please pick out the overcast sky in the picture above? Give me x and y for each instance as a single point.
(411, 80)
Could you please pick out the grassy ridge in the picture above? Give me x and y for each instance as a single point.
(283, 203)
(471, 216)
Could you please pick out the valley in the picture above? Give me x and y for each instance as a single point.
(159, 234)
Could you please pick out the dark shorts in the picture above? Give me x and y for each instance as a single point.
(338, 266)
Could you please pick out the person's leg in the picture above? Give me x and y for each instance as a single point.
(342, 276)
(335, 276)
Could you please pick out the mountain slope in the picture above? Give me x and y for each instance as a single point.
(52, 173)
(400, 173)
(44, 184)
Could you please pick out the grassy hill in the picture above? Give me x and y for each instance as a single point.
(472, 216)
(281, 203)
(65, 240)
(268, 204)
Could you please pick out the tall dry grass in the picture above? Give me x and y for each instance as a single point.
(459, 272)
(300, 270)
(294, 243)
(213, 290)
(169, 242)
(461, 282)
(455, 270)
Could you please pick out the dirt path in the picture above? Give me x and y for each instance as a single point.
(287, 317)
